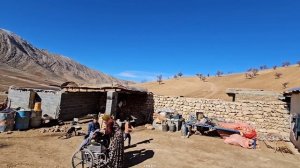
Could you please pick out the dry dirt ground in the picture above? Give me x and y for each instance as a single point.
(151, 149)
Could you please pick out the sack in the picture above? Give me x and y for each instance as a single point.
(236, 139)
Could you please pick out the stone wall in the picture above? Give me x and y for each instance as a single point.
(267, 117)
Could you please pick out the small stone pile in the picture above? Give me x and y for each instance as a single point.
(149, 127)
(55, 129)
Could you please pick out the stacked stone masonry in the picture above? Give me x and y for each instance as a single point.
(265, 116)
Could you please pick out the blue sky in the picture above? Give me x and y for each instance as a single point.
(139, 39)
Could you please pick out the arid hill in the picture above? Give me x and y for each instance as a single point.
(23, 64)
(215, 87)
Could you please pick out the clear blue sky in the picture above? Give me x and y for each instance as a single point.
(138, 39)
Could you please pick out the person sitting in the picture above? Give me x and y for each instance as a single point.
(94, 125)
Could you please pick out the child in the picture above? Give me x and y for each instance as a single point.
(127, 130)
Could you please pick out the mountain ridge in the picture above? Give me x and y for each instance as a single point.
(19, 54)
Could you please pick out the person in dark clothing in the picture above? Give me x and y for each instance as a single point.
(94, 125)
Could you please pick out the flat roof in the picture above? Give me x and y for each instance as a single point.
(295, 90)
(118, 88)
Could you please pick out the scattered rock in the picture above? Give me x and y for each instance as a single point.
(150, 127)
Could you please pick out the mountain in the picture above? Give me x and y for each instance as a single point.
(22, 62)
(215, 87)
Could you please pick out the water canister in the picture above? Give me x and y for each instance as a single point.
(183, 130)
(37, 106)
(172, 127)
(7, 120)
(165, 127)
(36, 119)
(22, 119)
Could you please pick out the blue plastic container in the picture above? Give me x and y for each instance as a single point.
(22, 120)
(7, 120)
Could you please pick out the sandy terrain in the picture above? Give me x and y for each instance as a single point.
(11, 76)
(215, 87)
(32, 149)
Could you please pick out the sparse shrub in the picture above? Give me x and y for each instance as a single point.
(207, 75)
(254, 71)
(180, 74)
(201, 77)
(284, 85)
(275, 67)
(159, 79)
(298, 63)
(277, 75)
(175, 76)
(249, 75)
(263, 67)
(286, 64)
(219, 73)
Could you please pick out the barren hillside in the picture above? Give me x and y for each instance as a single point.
(23, 64)
(215, 87)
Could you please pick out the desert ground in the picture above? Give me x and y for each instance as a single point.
(215, 87)
(151, 148)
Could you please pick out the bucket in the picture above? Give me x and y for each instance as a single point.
(22, 120)
(183, 130)
(172, 127)
(36, 119)
(37, 106)
(165, 127)
(7, 120)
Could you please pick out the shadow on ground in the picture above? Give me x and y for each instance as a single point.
(142, 142)
(136, 157)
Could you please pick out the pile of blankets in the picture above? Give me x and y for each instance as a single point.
(246, 138)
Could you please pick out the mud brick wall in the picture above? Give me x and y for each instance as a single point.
(266, 116)
(78, 104)
(141, 106)
(256, 97)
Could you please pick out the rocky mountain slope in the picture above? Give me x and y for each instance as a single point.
(20, 58)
